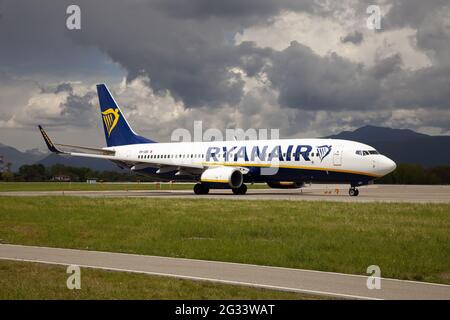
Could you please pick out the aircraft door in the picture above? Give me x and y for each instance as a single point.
(337, 157)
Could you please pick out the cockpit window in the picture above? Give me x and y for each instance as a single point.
(366, 152)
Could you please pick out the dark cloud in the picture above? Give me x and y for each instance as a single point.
(233, 8)
(431, 19)
(385, 67)
(191, 59)
(308, 81)
(355, 37)
(67, 87)
(186, 49)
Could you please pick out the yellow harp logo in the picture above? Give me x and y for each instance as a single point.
(110, 118)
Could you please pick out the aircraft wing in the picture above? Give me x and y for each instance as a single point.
(99, 153)
(94, 150)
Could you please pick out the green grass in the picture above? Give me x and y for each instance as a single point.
(407, 241)
(82, 186)
(25, 280)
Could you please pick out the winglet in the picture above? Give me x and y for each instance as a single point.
(48, 142)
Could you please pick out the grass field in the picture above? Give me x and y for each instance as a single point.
(82, 186)
(407, 241)
(25, 280)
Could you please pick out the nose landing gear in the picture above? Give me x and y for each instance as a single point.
(353, 192)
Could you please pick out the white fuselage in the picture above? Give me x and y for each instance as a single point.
(286, 159)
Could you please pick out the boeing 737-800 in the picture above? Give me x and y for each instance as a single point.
(284, 163)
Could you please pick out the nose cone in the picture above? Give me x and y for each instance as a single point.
(386, 166)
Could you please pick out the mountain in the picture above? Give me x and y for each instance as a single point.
(19, 158)
(94, 164)
(403, 145)
(372, 133)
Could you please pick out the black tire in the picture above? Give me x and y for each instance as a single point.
(353, 192)
(198, 188)
(205, 189)
(201, 189)
(241, 190)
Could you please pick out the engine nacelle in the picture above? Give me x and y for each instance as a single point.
(285, 184)
(232, 176)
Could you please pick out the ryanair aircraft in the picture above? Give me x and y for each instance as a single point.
(284, 163)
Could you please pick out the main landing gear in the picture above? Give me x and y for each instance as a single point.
(201, 189)
(241, 190)
(353, 192)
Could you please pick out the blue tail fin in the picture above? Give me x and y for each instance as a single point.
(117, 130)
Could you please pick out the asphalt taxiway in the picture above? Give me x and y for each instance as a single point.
(373, 193)
(276, 278)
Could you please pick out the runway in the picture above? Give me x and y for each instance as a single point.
(275, 278)
(373, 193)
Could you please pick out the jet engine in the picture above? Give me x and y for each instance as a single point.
(231, 175)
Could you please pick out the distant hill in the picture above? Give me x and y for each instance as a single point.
(19, 158)
(94, 164)
(403, 145)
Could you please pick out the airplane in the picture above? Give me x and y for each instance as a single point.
(282, 163)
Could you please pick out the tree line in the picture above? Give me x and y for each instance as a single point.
(416, 174)
(404, 174)
(40, 173)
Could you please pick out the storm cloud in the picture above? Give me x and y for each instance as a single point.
(355, 37)
(183, 57)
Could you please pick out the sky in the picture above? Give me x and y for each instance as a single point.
(306, 67)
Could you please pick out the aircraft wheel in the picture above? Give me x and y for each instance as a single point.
(353, 192)
(241, 190)
(201, 189)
